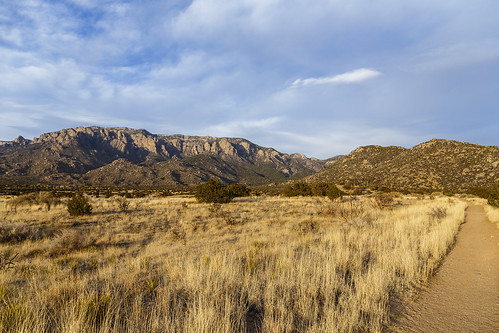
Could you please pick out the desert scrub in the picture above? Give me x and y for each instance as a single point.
(123, 204)
(78, 205)
(213, 191)
(493, 198)
(297, 189)
(287, 268)
(46, 199)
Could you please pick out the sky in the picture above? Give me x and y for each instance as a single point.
(315, 77)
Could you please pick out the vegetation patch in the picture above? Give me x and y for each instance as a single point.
(78, 205)
(300, 264)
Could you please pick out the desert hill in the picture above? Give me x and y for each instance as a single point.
(436, 164)
(135, 157)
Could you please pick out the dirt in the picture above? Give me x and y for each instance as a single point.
(463, 296)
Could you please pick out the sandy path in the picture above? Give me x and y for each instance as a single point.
(464, 294)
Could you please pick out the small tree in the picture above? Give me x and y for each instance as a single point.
(320, 189)
(78, 205)
(297, 189)
(239, 190)
(213, 191)
(494, 196)
(334, 192)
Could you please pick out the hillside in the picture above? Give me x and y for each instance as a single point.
(436, 164)
(126, 157)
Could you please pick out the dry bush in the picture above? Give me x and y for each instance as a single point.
(382, 200)
(438, 213)
(67, 241)
(19, 232)
(123, 204)
(7, 260)
(177, 232)
(41, 198)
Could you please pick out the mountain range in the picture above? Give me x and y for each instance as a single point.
(135, 157)
(96, 156)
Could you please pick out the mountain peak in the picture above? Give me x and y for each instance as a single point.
(438, 163)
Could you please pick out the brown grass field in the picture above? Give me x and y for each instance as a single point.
(258, 264)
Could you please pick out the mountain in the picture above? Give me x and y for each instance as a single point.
(436, 164)
(135, 157)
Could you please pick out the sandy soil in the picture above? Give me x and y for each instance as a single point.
(464, 294)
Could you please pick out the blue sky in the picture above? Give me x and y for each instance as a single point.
(315, 77)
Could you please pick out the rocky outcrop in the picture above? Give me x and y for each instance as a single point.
(74, 152)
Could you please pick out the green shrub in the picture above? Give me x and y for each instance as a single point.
(333, 192)
(213, 191)
(239, 190)
(494, 196)
(482, 192)
(320, 189)
(78, 205)
(297, 189)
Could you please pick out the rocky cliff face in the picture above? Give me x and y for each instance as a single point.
(436, 164)
(80, 155)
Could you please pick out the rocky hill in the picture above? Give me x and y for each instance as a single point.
(124, 156)
(436, 164)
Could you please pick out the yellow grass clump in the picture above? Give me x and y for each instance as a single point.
(258, 264)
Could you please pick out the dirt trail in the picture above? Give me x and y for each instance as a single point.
(464, 294)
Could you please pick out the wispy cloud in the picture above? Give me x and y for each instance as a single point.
(358, 75)
(241, 127)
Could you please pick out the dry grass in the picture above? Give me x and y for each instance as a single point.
(260, 264)
(492, 212)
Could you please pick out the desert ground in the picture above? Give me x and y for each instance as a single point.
(463, 294)
(257, 264)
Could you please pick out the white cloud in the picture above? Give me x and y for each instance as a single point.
(240, 127)
(204, 66)
(355, 76)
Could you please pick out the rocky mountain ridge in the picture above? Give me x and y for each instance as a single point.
(436, 164)
(124, 156)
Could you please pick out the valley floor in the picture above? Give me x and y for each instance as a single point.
(258, 264)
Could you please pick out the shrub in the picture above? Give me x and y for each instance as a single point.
(239, 190)
(7, 261)
(333, 192)
(297, 189)
(123, 204)
(320, 189)
(67, 241)
(382, 200)
(78, 205)
(213, 191)
(42, 198)
(48, 199)
(482, 192)
(494, 196)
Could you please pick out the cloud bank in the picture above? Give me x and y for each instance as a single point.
(368, 73)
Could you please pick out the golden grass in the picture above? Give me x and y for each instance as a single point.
(259, 264)
(492, 212)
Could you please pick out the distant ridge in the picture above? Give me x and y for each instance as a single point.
(134, 157)
(436, 164)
